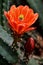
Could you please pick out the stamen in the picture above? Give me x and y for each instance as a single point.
(21, 17)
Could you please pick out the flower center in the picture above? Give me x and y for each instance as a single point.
(21, 17)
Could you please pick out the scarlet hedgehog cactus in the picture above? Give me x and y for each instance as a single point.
(29, 45)
(21, 18)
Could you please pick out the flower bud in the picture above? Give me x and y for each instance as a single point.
(29, 45)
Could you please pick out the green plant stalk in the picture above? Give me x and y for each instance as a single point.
(7, 52)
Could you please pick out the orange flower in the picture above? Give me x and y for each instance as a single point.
(21, 18)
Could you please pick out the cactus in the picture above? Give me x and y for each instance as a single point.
(15, 53)
(5, 49)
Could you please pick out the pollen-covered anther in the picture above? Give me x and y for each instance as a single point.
(21, 17)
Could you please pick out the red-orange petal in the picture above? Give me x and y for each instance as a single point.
(24, 10)
(12, 12)
(29, 29)
(14, 26)
(33, 19)
(7, 16)
(28, 15)
(20, 8)
(21, 28)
